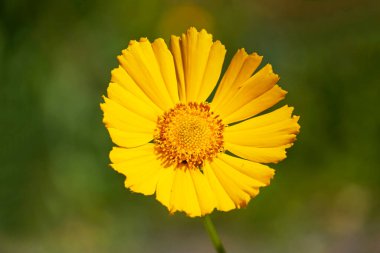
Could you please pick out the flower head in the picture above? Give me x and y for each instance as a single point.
(196, 156)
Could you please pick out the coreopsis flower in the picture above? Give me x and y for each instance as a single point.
(196, 152)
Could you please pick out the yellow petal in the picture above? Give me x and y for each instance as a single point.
(164, 186)
(230, 76)
(184, 197)
(238, 186)
(135, 166)
(271, 135)
(260, 155)
(251, 63)
(166, 64)
(140, 63)
(223, 200)
(142, 171)
(263, 102)
(129, 139)
(177, 199)
(252, 88)
(125, 98)
(240, 69)
(275, 116)
(212, 71)
(119, 155)
(175, 48)
(259, 172)
(119, 117)
(120, 76)
(198, 63)
(206, 197)
(260, 141)
(198, 48)
(146, 186)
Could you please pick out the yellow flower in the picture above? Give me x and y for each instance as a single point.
(194, 155)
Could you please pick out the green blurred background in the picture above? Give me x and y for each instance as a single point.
(57, 192)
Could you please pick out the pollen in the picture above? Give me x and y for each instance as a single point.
(188, 135)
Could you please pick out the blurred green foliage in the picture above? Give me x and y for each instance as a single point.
(57, 192)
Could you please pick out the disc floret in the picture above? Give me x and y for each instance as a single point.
(188, 135)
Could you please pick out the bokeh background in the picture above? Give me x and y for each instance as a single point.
(57, 192)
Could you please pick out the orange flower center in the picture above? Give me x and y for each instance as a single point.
(188, 135)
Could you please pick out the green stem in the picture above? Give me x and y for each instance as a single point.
(213, 235)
